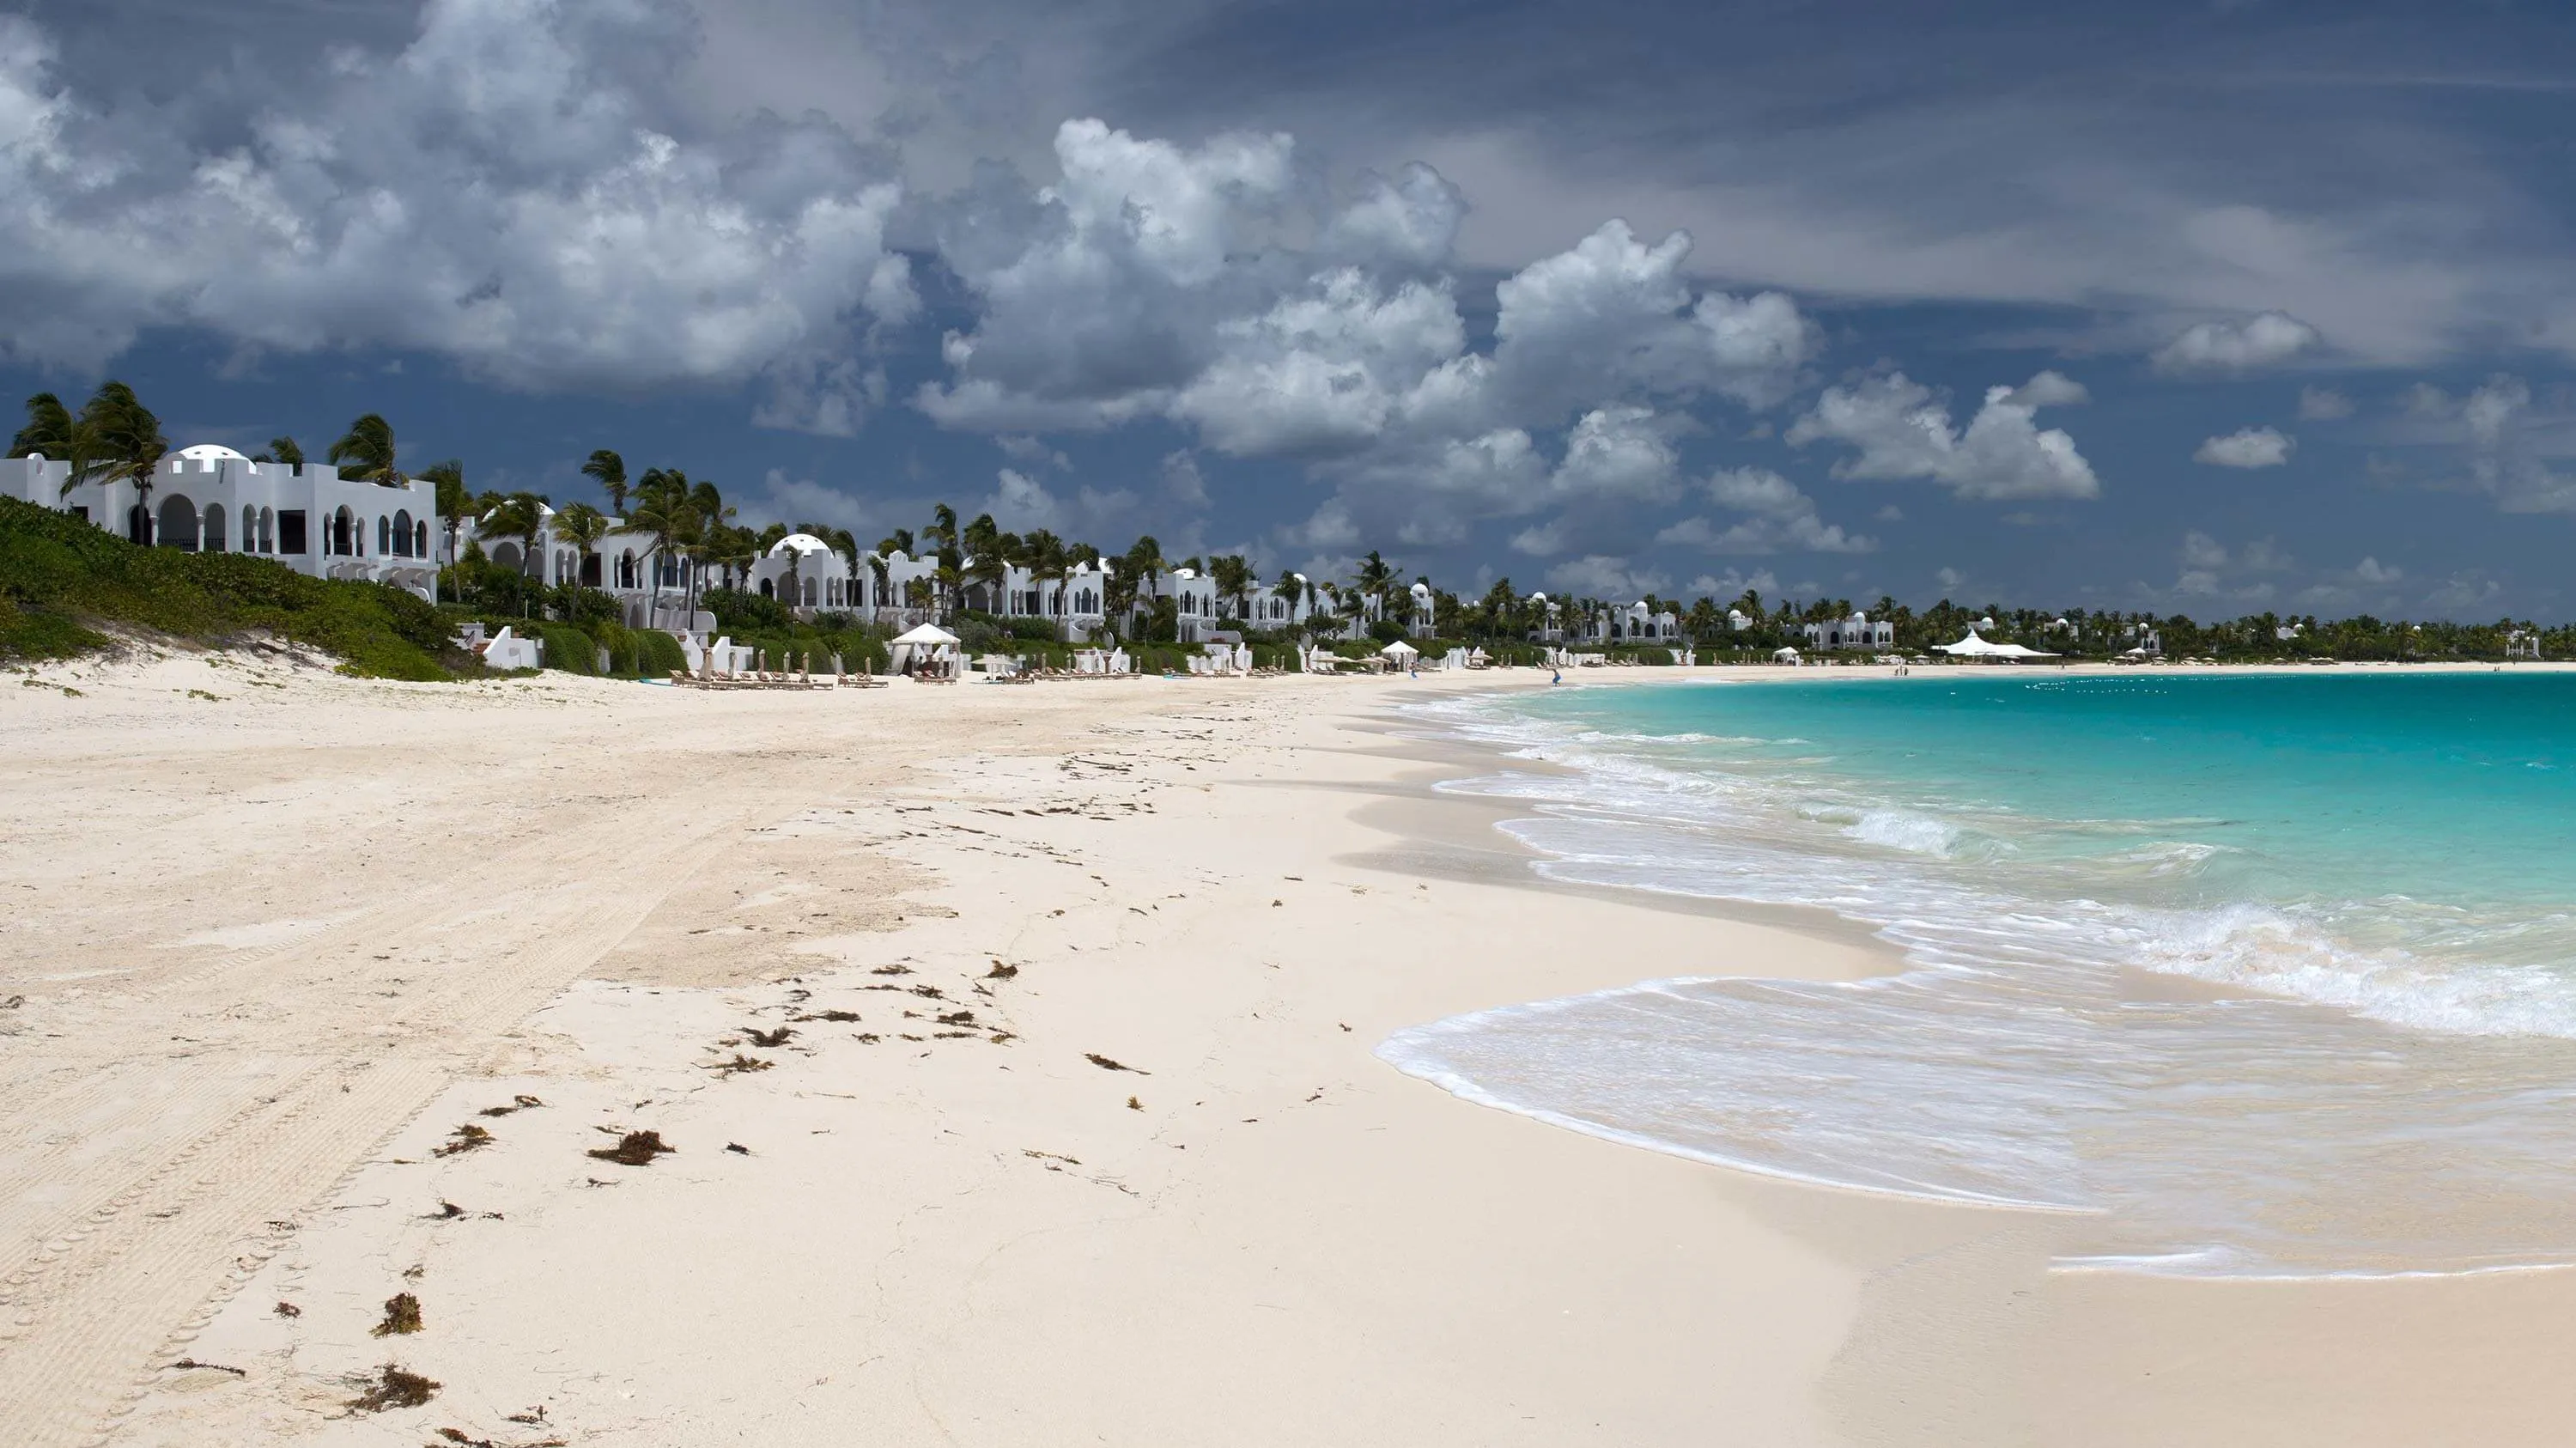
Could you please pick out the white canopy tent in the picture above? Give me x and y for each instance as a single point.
(1400, 651)
(1974, 647)
(925, 650)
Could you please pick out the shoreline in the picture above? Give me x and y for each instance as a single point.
(977, 1240)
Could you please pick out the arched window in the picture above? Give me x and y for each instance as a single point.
(214, 527)
(809, 593)
(401, 539)
(268, 530)
(344, 532)
(179, 523)
(766, 590)
(420, 539)
(384, 535)
(626, 569)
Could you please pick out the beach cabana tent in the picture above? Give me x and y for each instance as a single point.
(1784, 656)
(1401, 652)
(926, 645)
(1973, 647)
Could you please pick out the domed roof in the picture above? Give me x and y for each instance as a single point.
(803, 544)
(1422, 590)
(209, 452)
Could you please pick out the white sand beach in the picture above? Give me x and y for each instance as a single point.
(1061, 1122)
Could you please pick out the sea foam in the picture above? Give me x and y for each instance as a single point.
(2314, 1114)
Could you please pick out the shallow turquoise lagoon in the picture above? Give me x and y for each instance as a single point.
(2373, 875)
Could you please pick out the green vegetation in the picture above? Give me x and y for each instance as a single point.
(63, 581)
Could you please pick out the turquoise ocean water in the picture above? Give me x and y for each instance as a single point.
(2248, 974)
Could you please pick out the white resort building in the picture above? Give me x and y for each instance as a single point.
(208, 498)
(1856, 632)
(214, 500)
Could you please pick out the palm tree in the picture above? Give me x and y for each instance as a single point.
(582, 526)
(117, 439)
(846, 544)
(1375, 576)
(448, 479)
(1042, 553)
(662, 513)
(988, 553)
(521, 515)
(48, 433)
(1290, 586)
(366, 454)
(1144, 566)
(709, 520)
(608, 470)
(1232, 574)
(283, 450)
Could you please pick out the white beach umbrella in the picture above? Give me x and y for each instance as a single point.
(1399, 650)
(928, 634)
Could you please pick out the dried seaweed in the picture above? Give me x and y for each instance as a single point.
(402, 1315)
(464, 1138)
(1105, 1064)
(635, 1148)
(394, 1388)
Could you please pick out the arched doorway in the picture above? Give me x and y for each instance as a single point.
(590, 570)
(402, 534)
(344, 530)
(179, 523)
(215, 538)
(420, 539)
(507, 555)
(767, 589)
(809, 593)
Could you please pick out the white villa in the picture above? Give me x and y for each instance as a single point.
(1856, 632)
(214, 500)
(807, 575)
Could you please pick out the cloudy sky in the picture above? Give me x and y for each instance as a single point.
(2211, 308)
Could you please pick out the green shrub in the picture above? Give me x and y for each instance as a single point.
(567, 647)
(738, 612)
(60, 575)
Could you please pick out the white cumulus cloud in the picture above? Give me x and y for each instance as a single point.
(2504, 461)
(2243, 345)
(1783, 519)
(516, 188)
(2323, 404)
(2249, 447)
(1157, 280)
(1900, 429)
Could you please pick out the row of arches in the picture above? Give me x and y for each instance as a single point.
(181, 525)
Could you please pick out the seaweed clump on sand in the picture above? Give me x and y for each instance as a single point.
(739, 1064)
(394, 1388)
(402, 1315)
(464, 1138)
(778, 1037)
(635, 1148)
